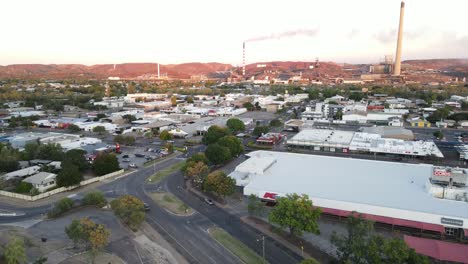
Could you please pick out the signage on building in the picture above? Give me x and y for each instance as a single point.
(442, 173)
(269, 195)
(451, 221)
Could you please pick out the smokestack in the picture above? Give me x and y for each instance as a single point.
(243, 59)
(397, 70)
(158, 72)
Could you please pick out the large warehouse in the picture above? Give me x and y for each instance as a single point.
(388, 192)
(348, 141)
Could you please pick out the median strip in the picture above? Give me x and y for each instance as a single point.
(239, 249)
(165, 172)
(171, 203)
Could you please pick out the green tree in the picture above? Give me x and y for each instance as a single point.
(314, 94)
(196, 172)
(438, 134)
(356, 96)
(235, 125)
(214, 133)
(218, 182)
(30, 150)
(70, 175)
(15, 252)
(97, 236)
(232, 143)
(8, 158)
(197, 157)
(94, 198)
(249, 106)
(129, 118)
(75, 232)
(130, 210)
(105, 163)
(84, 231)
(50, 151)
(217, 154)
(260, 130)
(73, 128)
(190, 100)
(296, 213)
(165, 135)
(76, 157)
(362, 245)
(275, 123)
(257, 106)
(99, 130)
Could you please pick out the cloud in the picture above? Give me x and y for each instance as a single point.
(353, 33)
(286, 34)
(386, 36)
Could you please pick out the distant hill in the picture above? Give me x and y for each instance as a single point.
(451, 66)
(103, 71)
(259, 70)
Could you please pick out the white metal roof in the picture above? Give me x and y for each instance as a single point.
(324, 137)
(41, 178)
(375, 187)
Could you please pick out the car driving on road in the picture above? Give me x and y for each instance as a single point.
(209, 201)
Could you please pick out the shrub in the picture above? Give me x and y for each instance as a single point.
(94, 198)
(62, 206)
(23, 187)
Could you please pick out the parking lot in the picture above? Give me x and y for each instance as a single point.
(139, 155)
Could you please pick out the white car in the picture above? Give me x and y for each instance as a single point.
(132, 165)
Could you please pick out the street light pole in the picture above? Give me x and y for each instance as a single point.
(263, 248)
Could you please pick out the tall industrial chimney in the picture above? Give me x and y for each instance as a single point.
(397, 70)
(158, 73)
(243, 59)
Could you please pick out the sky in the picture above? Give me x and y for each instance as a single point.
(118, 31)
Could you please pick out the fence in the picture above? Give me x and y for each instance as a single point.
(59, 190)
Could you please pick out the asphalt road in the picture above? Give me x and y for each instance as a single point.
(188, 235)
(274, 252)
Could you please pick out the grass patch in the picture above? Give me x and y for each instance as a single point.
(151, 162)
(171, 203)
(253, 145)
(165, 172)
(235, 246)
(181, 149)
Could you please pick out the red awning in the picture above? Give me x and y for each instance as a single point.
(388, 220)
(437, 249)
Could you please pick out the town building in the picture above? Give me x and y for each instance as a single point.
(398, 194)
(42, 181)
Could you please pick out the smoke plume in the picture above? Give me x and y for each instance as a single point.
(286, 34)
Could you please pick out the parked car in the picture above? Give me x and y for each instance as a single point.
(125, 156)
(132, 165)
(126, 160)
(139, 155)
(209, 201)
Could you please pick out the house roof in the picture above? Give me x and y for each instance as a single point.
(40, 178)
